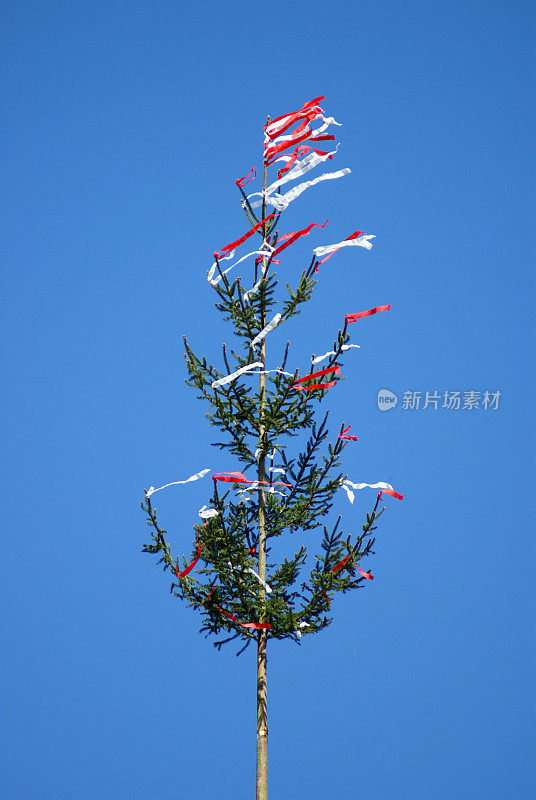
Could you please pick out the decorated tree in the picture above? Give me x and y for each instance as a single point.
(290, 471)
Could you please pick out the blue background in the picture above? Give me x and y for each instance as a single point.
(125, 127)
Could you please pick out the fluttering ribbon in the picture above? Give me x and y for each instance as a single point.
(346, 484)
(290, 238)
(360, 314)
(208, 513)
(190, 566)
(237, 477)
(257, 626)
(234, 375)
(271, 325)
(333, 352)
(255, 574)
(210, 274)
(258, 486)
(281, 201)
(328, 385)
(356, 239)
(392, 493)
(280, 124)
(247, 178)
(312, 375)
(345, 435)
(368, 575)
(302, 133)
(299, 169)
(300, 150)
(196, 477)
(242, 239)
(341, 564)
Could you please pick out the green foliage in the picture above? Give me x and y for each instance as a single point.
(224, 586)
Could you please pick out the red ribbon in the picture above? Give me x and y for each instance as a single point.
(310, 388)
(237, 477)
(257, 626)
(365, 574)
(341, 564)
(232, 245)
(350, 437)
(392, 493)
(290, 238)
(359, 314)
(246, 179)
(319, 374)
(190, 567)
(308, 110)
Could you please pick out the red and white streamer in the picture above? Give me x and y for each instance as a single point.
(280, 124)
(356, 239)
(302, 133)
(369, 313)
(210, 274)
(392, 493)
(349, 485)
(299, 169)
(333, 352)
(265, 331)
(196, 477)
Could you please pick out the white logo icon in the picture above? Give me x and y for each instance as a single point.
(386, 400)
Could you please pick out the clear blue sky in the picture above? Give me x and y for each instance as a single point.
(125, 125)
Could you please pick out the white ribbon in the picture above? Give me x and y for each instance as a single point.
(318, 359)
(359, 241)
(234, 375)
(346, 486)
(271, 325)
(238, 568)
(302, 625)
(195, 477)
(300, 168)
(268, 371)
(260, 488)
(280, 202)
(208, 513)
(213, 268)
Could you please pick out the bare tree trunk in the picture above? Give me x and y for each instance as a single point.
(262, 635)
